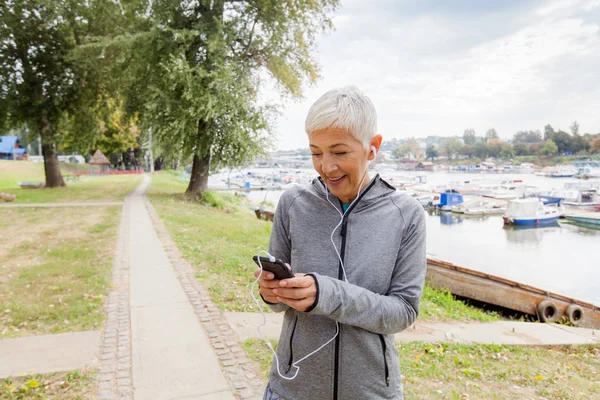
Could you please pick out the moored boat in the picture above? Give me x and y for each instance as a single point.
(586, 218)
(530, 211)
(587, 199)
(491, 289)
(588, 172)
(564, 171)
(509, 191)
(449, 200)
(481, 207)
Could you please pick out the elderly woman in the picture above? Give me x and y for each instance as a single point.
(357, 248)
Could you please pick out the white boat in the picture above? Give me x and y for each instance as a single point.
(530, 211)
(563, 171)
(524, 168)
(481, 207)
(587, 199)
(583, 184)
(588, 172)
(509, 191)
(556, 196)
(546, 171)
(486, 188)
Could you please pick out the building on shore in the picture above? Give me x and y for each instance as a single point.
(10, 148)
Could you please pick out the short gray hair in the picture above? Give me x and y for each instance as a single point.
(345, 108)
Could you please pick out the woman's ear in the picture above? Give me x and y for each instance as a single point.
(375, 146)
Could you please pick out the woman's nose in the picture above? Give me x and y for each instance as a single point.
(328, 164)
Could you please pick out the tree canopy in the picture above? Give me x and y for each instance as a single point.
(401, 151)
(491, 134)
(451, 146)
(431, 152)
(469, 136)
(527, 137)
(549, 148)
(193, 72)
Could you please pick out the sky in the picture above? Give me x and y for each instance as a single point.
(438, 67)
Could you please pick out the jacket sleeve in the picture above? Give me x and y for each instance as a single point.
(385, 314)
(280, 243)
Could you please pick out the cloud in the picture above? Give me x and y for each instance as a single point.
(442, 67)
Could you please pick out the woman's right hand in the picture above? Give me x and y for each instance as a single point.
(267, 283)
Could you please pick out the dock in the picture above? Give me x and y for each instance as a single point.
(546, 306)
(586, 218)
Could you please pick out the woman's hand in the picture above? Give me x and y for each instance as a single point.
(299, 292)
(267, 283)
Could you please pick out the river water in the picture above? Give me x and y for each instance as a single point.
(562, 258)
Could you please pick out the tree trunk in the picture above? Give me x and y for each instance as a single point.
(199, 177)
(201, 165)
(178, 161)
(53, 176)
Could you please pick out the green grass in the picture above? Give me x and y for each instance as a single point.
(74, 385)
(55, 269)
(258, 351)
(108, 188)
(13, 172)
(220, 244)
(455, 371)
(440, 305)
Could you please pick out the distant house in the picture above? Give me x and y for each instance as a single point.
(10, 148)
(424, 166)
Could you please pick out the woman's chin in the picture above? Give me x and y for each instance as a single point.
(340, 194)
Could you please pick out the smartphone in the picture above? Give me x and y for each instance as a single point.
(277, 267)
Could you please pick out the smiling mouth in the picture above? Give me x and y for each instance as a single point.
(335, 181)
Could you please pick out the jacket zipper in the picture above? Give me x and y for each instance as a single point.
(337, 339)
(387, 371)
(291, 346)
(341, 277)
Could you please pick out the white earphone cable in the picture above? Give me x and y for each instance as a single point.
(294, 364)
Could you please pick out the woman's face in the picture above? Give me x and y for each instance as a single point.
(341, 161)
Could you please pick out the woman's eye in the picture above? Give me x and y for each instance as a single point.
(316, 154)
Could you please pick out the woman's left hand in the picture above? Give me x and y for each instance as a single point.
(299, 292)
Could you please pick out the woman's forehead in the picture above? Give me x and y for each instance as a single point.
(331, 137)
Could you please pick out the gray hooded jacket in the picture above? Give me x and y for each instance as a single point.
(382, 244)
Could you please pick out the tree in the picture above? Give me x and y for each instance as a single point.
(36, 77)
(574, 128)
(469, 136)
(414, 146)
(562, 140)
(466, 151)
(42, 83)
(506, 151)
(527, 137)
(491, 134)
(401, 151)
(480, 150)
(193, 73)
(595, 145)
(451, 146)
(550, 148)
(494, 147)
(521, 149)
(431, 152)
(548, 132)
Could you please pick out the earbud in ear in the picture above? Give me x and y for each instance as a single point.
(374, 149)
